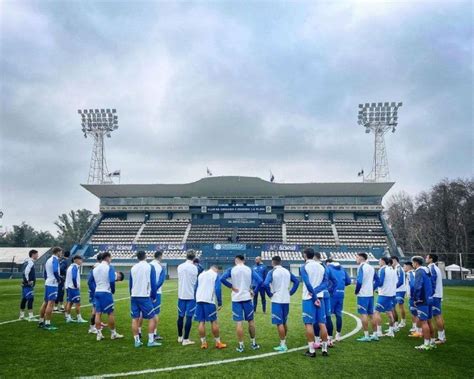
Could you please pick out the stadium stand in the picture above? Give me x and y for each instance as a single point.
(163, 231)
(360, 233)
(310, 232)
(115, 230)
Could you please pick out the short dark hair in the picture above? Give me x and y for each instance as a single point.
(276, 259)
(99, 257)
(241, 257)
(141, 255)
(386, 260)
(418, 260)
(106, 254)
(363, 255)
(196, 261)
(329, 260)
(67, 254)
(56, 250)
(32, 252)
(317, 255)
(434, 257)
(390, 261)
(395, 258)
(308, 253)
(158, 254)
(120, 276)
(76, 257)
(190, 254)
(408, 263)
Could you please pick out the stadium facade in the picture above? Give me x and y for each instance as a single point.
(223, 216)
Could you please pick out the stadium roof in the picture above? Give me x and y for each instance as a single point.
(238, 186)
(19, 254)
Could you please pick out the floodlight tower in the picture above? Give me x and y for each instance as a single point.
(98, 124)
(379, 118)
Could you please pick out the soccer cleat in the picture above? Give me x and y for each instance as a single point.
(81, 321)
(396, 330)
(22, 317)
(116, 336)
(220, 345)
(415, 335)
(433, 346)
(99, 337)
(41, 324)
(389, 334)
(364, 339)
(188, 342)
(138, 344)
(309, 355)
(158, 337)
(281, 348)
(32, 319)
(239, 349)
(440, 342)
(374, 337)
(412, 330)
(92, 330)
(153, 344)
(330, 343)
(402, 324)
(255, 346)
(50, 327)
(204, 345)
(69, 320)
(338, 337)
(180, 339)
(325, 354)
(423, 347)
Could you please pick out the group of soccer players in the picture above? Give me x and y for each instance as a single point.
(422, 283)
(200, 297)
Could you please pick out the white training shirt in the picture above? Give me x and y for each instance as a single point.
(48, 267)
(280, 285)
(140, 275)
(241, 277)
(389, 287)
(158, 268)
(187, 278)
(69, 276)
(399, 270)
(367, 288)
(206, 287)
(438, 289)
(315, 271)
(101, 277)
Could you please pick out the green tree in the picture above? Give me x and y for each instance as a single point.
(72, 226)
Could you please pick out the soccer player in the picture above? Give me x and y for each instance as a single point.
(104, 278)
(387, 286)
(73, 292)
(91, 286)
(207, 293)
(327, 309)
(160, 279)
(142, 285)
(187, 279)
(242, 278)
(437, 284)
(63, 265)
(423, 291)
(52, 279)
(338, 279)
(400, 294)
(28, 285)
(313, 275)
(261, 270)
(410, 278)
(277, 285)
(366, 283)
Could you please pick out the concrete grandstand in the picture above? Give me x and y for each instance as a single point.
(220, 217)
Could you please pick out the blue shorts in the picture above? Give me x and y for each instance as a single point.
(186, 307)
(73, 295)
(104, 302)
(27, 293)
(242, 310)
(436, 306)
(365, 305)
(91, 298)
(280, 313)
(142, 307)
(157, 304)
(205, 312)
(424, 312)
(412, 308)
(50, 293)
(337, 304)
(400, 298)
(313, 314)
(384, 303)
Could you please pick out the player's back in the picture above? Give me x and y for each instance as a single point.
(102, 277)
(389, 285)
(241, 276)
(51, 265)
(187, 277)
(281, 279)
(367, 285)
(315, 272)
(401, 275)
(206, 284)
(140, 275)
(437, 284)
(338, 278)
(72, 271)
(158, 269)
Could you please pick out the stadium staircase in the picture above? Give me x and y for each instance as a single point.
(186, 233)
(336, 236)
(139, 233)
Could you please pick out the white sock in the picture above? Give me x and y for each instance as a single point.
(241, 344)
(396, 324)
(41, 319)
(253, 341)
(22, 313)
(418, 330)
(413, 325)
(403, 321)
(311, 347)
(441, 335)
(47, 322)
(113, 331)
(203, 339)
(217, 339)
(432, 340)
(137, 338)
(317, 339)
(151, 337)
(282, 342)
(140, 330)
(427, 342)
(390, 329)
(366, 333)
(329, 338)
(156, 332)
(379, 329)
(30, 314)
(324, 346)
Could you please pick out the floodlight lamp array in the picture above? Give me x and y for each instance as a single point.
(378, 114)
(103, 121)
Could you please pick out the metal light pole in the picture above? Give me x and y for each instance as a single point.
(379, 118)
(98, 124)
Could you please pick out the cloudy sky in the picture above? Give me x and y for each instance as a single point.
(240, 87)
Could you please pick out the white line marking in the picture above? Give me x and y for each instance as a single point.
(224, 361)
(82, 306)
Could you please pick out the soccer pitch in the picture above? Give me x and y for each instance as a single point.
(26, 351)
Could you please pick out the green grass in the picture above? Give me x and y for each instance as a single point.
(26, 351)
